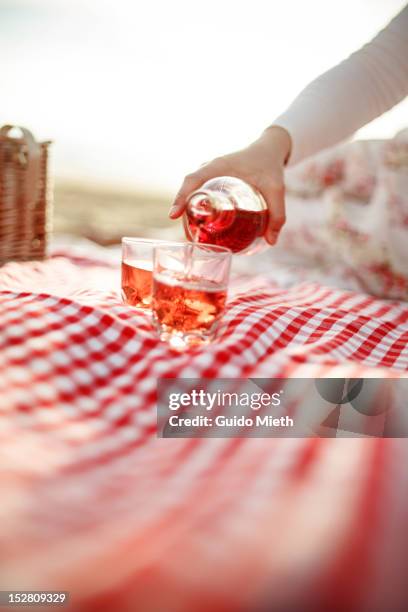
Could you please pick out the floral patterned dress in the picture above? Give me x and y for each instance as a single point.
(347, 210)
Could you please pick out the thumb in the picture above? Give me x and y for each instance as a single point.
(191, 183)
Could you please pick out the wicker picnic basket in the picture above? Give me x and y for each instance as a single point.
(25, 195)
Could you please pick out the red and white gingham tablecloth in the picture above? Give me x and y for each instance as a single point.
(94, 503)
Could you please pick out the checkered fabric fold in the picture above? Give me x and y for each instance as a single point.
(94, 503)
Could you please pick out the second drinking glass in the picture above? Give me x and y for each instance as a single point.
(189, 291)
(137, 271)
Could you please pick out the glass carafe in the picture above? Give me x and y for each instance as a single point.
(227, 212)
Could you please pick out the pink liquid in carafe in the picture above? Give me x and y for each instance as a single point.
(227, 212)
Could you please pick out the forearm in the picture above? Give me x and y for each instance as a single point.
(350, 95)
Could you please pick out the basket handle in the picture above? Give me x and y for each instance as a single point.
(6, 129)
(29, 157)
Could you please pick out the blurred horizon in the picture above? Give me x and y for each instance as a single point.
(137, 94)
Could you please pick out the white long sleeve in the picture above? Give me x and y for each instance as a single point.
(365, 85)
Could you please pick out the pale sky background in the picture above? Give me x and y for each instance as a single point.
(139, 92)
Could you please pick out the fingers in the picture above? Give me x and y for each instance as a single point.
(191, 182)
(274, 195)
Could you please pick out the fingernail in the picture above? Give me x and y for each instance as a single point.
(173, 211)
(271, 237)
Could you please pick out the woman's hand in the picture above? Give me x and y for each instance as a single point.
(260, 164)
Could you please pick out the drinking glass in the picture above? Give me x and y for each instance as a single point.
(189, 291)
(137, 271)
